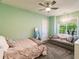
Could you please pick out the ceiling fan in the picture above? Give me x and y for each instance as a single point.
(48, 5)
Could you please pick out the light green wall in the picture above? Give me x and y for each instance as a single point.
(51, 25)
(17, 23)
(73, 14)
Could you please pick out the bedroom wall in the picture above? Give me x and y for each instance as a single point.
(16, 23)
(51, 25)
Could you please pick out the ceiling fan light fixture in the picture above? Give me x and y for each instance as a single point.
(48, 9)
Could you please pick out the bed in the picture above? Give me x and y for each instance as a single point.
(25, 49)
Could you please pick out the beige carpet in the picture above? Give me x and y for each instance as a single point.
(56, 52)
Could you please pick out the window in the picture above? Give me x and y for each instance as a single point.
(69, 28)
(62, 29)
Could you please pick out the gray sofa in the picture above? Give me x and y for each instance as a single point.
(62, 41)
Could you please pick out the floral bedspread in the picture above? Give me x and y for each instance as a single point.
(26, 53)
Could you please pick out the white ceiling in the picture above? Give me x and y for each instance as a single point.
(65, 6)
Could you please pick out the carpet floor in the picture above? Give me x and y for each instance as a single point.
(56, 52)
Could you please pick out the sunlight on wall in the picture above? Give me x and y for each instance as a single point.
(66, 19)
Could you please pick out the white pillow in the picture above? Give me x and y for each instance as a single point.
(3, 43)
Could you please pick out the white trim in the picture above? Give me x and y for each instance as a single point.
(77, 26)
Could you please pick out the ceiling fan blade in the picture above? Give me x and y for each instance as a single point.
(53, 2)
(42, 4)
(54, 8)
